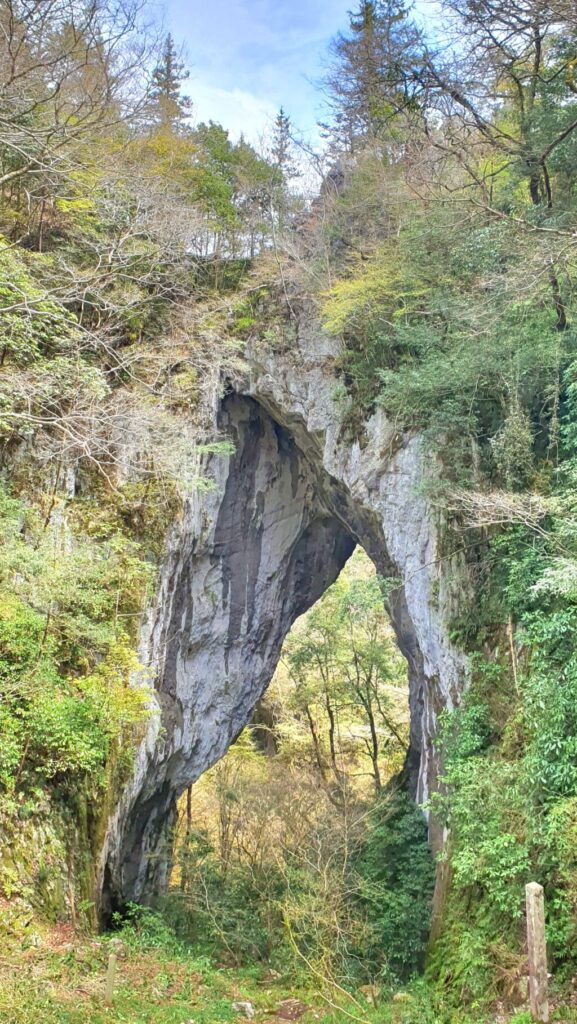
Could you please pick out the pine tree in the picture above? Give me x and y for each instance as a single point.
(284, 167)
(282, 146)
(168, 107)
(372, 76)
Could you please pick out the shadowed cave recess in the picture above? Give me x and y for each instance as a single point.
(247, 559)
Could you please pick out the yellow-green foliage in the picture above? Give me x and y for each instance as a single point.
(31, 323)
(69, 609)
(379, 288)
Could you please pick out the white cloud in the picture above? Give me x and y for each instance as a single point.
(249, 57)
(239, 111)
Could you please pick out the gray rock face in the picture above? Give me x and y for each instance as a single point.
(249, 556)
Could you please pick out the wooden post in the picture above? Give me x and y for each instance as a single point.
(538, 999)
(110, 979)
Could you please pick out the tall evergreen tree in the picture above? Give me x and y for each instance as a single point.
(281, 149)
(284, 167)
(168, 107)
(372, 75)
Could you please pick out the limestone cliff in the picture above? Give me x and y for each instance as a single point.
(285, 511)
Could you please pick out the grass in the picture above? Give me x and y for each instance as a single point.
(51, 976)
(55, 978)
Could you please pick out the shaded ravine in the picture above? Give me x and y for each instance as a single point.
(284, 514)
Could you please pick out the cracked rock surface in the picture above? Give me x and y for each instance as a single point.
(285, 512)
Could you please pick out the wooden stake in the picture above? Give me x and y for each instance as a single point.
(538, 999)
(110, 979)
(513, 653)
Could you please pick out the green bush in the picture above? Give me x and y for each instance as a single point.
(233, 913)
(144, 928)
(396, 873)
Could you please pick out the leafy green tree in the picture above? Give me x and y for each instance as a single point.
(395, 872)
(510, 83)
(65, 662)
(69, 75)
(344, 666)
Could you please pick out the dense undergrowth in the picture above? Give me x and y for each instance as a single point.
(162, 979)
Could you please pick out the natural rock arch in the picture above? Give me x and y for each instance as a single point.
(286, 511)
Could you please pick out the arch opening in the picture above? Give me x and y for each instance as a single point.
(304, 827)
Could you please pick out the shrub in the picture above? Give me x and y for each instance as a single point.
(396, 873)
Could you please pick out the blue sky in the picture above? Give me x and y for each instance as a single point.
(249, 57)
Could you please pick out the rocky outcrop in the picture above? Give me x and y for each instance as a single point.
(285, 511)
